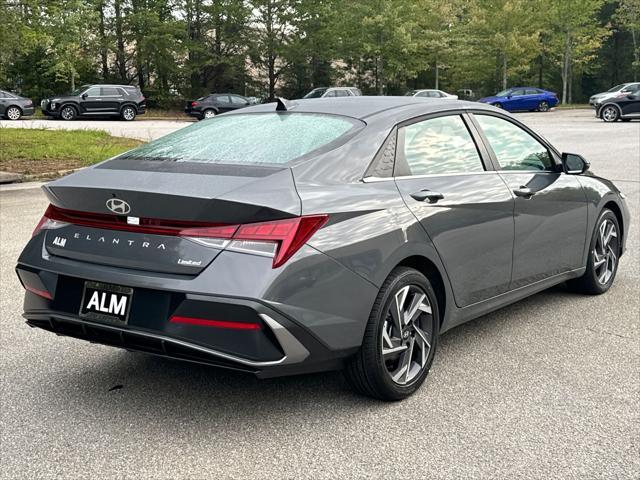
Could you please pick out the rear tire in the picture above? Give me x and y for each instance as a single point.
(604, 255)
(128, 113)
(398, 348)
(208, 113)
(68, 113)
(13, 113)
(543, 107)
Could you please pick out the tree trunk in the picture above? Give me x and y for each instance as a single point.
(103, 43)
(120, 53)
(636, 54)
(73, 80)
(505, 77)
(437, 71)
(566, 68)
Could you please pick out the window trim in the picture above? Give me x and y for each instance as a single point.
(400, 145)
(553, 153)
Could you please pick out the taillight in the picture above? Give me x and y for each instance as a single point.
(279, 239)
(48, 221)
(194, 104)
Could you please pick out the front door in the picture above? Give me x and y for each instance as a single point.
(465, 209)
(550, 210)
(630, 105)
(91, 101)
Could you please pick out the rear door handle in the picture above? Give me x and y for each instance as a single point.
(427, 196)
(524, 192)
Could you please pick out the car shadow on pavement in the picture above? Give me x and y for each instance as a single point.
(137, 385)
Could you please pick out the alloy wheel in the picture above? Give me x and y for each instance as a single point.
(543, 107)
(604, 254)
(128, 113)
(13, 113)
(67, 113)
(209, 114)
(407, 335)
(610, 114)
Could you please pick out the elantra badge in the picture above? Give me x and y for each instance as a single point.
(118, 206)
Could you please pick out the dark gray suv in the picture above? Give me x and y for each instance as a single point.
(319, 234)
(124, 101)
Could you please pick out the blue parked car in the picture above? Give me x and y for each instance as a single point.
(523, 98)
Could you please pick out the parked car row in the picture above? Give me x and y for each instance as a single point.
(621, 102)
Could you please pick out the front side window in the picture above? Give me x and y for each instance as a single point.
(93, 92)
(517, 93)
(440, 145)
(237, 100)
(259, 138)
(515, 149)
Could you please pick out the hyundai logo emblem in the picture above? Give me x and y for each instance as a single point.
(118, 206)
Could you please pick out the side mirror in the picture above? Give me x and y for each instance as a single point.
(84, 96)
(509, 96)
(574, 164)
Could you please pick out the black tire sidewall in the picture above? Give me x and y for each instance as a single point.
(75, 113)
(592, 277)
(402, 277)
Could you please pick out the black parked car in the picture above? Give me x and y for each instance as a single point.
(624, 108)
(124, 101)
(13, 106)
(211, 105)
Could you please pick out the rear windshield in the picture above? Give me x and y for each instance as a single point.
(258, 138)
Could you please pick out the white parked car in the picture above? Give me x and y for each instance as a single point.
(324, 92)
(431, 93)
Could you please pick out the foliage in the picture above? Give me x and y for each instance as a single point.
(184, 48)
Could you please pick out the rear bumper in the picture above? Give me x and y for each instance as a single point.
(281, 346)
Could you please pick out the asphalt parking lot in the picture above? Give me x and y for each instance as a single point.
(545, 388)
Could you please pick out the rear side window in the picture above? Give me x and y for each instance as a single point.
(258, 138)
(440, 145)
(110, 92)
(532, 91)
(515, 149)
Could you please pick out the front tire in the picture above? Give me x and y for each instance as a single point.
(604, 253)
(609, 114)
(543, 107)
(68, 113)
(13, 113)
(400, 338)
(128, 113)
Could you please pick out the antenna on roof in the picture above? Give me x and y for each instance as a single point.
(284, 105)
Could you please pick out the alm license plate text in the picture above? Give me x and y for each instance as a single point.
(105, 302)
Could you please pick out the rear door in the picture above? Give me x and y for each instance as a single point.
(465, 208)
(4, 101)
(532, 98)
(112, 98)
(224, 103)
(550, 210)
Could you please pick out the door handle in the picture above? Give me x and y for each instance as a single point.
(427, 196)
(524, 192)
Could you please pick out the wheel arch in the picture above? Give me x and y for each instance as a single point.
(129, 104)
(14, 106)
(615, 208)
(429, 269)
(609, 104)
(74, 105)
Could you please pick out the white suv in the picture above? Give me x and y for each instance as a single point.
(324, 92)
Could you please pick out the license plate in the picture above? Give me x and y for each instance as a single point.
(105, 302)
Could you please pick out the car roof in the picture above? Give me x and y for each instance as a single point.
(362, 107)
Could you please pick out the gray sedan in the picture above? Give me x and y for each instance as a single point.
(14, 107)
(303, 236)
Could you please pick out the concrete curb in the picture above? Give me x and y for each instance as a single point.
(9, 177)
